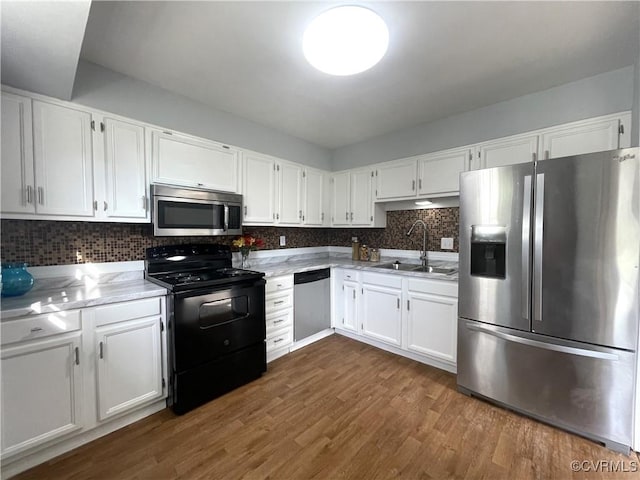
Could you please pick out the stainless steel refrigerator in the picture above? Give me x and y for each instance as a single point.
(549, 286)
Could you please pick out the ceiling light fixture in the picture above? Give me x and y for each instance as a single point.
(345, 40)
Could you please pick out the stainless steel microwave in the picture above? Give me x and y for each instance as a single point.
(183, 211)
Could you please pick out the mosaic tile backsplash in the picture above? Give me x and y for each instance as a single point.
(44, 242)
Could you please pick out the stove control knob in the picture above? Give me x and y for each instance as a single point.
(226, 343)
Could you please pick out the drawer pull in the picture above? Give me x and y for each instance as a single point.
(101, 350)
(278, 302)
(278, 340)
(279, 285)
(275, 322)
(36, 329)
(77, 352)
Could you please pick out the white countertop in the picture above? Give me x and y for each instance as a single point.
(70, 297)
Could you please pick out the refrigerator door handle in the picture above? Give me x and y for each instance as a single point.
(537, 253)
(526, 247)
(546, 346)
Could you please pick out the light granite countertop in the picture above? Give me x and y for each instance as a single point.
(296, 266)
(77, 296)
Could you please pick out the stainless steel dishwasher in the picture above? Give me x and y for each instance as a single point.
(311, 303)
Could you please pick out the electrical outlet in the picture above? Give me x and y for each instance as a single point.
(283, 241)
(354, 239)
(446, 243)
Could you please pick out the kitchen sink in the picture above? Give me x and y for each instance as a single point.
(412, 267)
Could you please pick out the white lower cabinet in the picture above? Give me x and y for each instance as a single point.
(279, 315)
(407, 315)
(129, 369)
(66, 373)
(381, 311)
(41, 392)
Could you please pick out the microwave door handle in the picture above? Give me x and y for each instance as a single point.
(226, 217)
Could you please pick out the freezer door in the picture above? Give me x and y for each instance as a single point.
(579, 387)
(587, 248)
(495, 247)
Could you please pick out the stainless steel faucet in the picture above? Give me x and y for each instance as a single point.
(423, 257)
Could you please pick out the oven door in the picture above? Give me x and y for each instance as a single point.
(210, 324)
(186, 216)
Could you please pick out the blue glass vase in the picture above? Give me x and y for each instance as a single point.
(15, 279)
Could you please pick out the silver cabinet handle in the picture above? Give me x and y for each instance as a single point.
(275, 322)
(413, 185)
(420, 184)
(299, 213)
(36, 329)
(526, 246)
(95, 205)
(322, 217)
(245, 210)
(279, 285)
(398, 300)
(278, 340)
(277, 216)
(105, 206)
(41, 195)
(352, 216)
(77, 354)
(537, 246)
(29, 194)
(101, 350)
(278, 302)
(346, 215)
(354, 294)
(144, 202)
(408, 306)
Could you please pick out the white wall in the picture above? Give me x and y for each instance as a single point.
(602, 94)
(104, 89)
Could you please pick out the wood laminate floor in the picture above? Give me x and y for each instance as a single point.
(339, 409)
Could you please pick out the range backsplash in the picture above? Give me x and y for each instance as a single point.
(45, 242)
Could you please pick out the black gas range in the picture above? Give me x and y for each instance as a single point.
(216, 321)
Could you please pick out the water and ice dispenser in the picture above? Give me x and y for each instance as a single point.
(488, 251)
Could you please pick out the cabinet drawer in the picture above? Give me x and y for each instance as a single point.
(279, 339)
(277, 284)
(279, 301)
(392, 281)
(351, 275)
(436, 287)
(279, 320)
(30, 328)
(119, 312)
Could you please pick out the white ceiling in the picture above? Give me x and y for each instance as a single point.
(444, 58)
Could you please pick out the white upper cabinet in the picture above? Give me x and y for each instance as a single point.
(259, 188)
(18, 192)
(361, 213)
(63, 157)
(595, 135)
(340, 194)
(179, 159)
(290, 194)
(313, 197)
(396, 180)
(438, 173)
(507, 151)
(125, 171)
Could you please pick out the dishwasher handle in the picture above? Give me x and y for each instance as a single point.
(312, 276)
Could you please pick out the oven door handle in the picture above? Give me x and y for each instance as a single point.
(226, 322)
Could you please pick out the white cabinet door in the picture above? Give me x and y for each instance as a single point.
(129, 365)
(63, 156)
(125, 170)
(41, 392)
(432, 325)
(508, 151)
(381, 314)
(17, 155)
(438, 174)
(313, 209)
(585, 137)
(259, 188)
(361, 198)
(290, 194)
(184, 160)
(350, 305)
(396, 180)
(340, 208)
